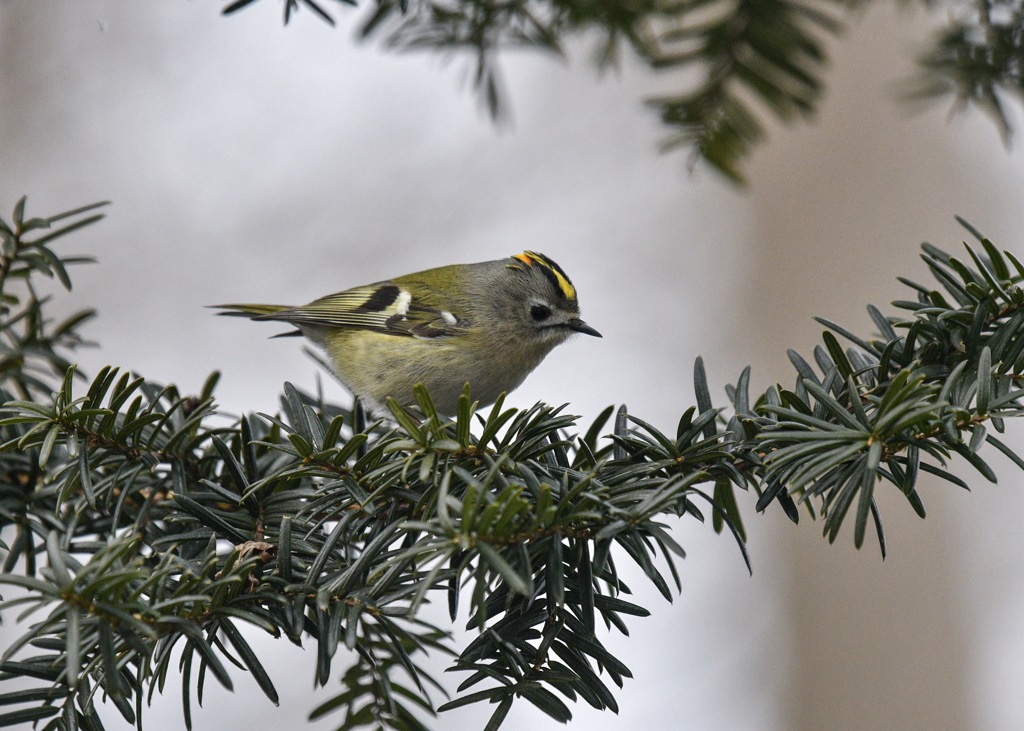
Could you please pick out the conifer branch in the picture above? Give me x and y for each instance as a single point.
(147, 531)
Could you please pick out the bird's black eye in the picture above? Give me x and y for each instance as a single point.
(540, 313)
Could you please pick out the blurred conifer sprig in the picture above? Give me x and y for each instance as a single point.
(144, 534)
(738, 61)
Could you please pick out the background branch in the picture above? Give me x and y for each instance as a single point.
(753, 60)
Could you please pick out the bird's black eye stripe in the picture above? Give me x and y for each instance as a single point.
(540, 313)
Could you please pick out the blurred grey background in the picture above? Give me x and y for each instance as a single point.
(251, 162)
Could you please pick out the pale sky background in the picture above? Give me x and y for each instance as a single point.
(251, 162)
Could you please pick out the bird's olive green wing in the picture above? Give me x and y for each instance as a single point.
(384, 307)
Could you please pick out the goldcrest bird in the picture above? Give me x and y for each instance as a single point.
(489, 324)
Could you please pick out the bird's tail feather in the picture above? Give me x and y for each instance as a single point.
(255, 312)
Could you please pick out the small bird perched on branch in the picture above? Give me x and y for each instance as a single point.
(489, 324)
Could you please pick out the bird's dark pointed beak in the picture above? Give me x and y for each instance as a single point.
(581, 327)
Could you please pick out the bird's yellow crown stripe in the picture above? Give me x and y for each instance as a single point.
(532, 258)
